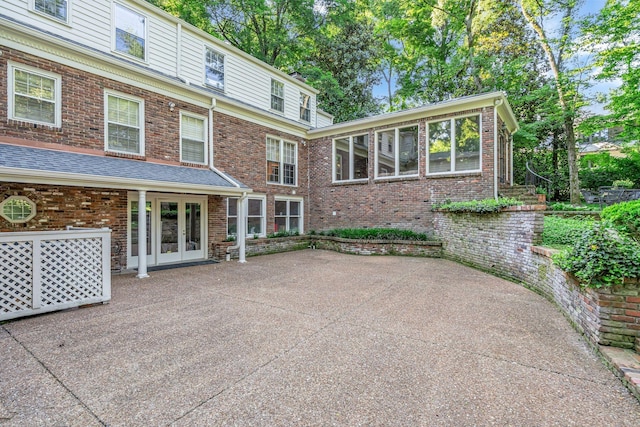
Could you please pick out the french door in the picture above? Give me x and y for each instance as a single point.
(176, 229)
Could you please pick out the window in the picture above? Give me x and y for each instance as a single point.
(130, 32)
(454, 145)
(288, 215)
(255, 216)
(305, 108)
(397, 152)
(124, 124)
(34, 95)
(282, 161)
(214, 69)
(53, 8)
(193, 139)
(351, 158)
(277, 96)
(17, 209)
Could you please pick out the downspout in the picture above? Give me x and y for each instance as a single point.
(241, 234)
(496, 104)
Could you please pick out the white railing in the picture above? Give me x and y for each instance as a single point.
(42, 271)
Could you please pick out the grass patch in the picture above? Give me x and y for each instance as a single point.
(375, 234)
(561, 232)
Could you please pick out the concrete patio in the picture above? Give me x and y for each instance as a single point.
(309, 338)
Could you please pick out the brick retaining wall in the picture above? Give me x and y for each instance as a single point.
(504, 243)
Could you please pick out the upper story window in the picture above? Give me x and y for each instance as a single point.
(17, 209)
(193, 138)
(130, 32)
(351, 158)
(282, 162)
(124, 118)
(57, 9)
(305, 108)
(33, 95)
(214, 69)
(397, 152)
(454, 145)
(277, 95)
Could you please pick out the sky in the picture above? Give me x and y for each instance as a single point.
(588, 7)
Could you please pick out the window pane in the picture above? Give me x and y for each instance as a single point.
(281, 207)
(134, 228)
(130, 32)
(123, 138)
(34, 97)
(192, 151)
(468, 143)
(255, 207)
(289, 153)
(386, 153)
(193, 139)
(277, 95)
(55, 8)
(214, 69)
(342, 159)
(192, 223)
(273, 150)
(294, 208)
(232, 206)
(254, 226)
(360, 156)
(440, 146)
(305, 112)
(408, 150)
(232, 226)
(289, 177)
(281, 224)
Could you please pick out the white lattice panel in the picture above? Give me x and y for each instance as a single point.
(71, 270)
(16, 276)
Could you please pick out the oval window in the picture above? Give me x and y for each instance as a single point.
(17, 209)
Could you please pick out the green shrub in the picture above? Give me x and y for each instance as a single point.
(283, 234)
(622, 183)
(375, 234)
(560, 206)
(477, 206)
(602, 256)
(560, 231)
(625, 217)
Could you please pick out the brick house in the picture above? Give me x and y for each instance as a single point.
(107, 106)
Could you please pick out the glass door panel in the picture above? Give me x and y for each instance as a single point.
(133, 218)
(170, 231)
(192, 231)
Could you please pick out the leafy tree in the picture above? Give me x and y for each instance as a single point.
(615, 34)
(557, 50)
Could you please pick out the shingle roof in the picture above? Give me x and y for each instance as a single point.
(110, 168)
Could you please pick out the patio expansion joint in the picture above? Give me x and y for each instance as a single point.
(55, 377)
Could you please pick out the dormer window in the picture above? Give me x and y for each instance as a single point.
(130, 32)
(214, 69)
(305, 107)
(57, 9)
(277, 96)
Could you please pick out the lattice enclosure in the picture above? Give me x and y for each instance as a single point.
(16, 276)
(71, 270)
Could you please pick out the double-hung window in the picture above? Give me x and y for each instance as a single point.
(288, 215)
(282, 161)
(124, 124)
(277, 96)
(454, 145)
(193, 138)
(397, 152)
(214, 69)
(351, 158)
(34, 95)
(130, 32)
(57, 9)
(256, 219)
(305, 107)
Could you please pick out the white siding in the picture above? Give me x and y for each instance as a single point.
(91, 22)
(324, 120)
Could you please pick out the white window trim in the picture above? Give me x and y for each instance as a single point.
(204, 69)
(396, 146)
(12, 66)
(114, 48)
(67, 21)
(301, 216)
(205, 161)
(282, 141)
(263, 221)
(453, 148)
(23, 198)
(140, 102)
(350, 159)
(283, 96)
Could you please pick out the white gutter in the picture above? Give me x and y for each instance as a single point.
(496, 104)
(210, 146)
